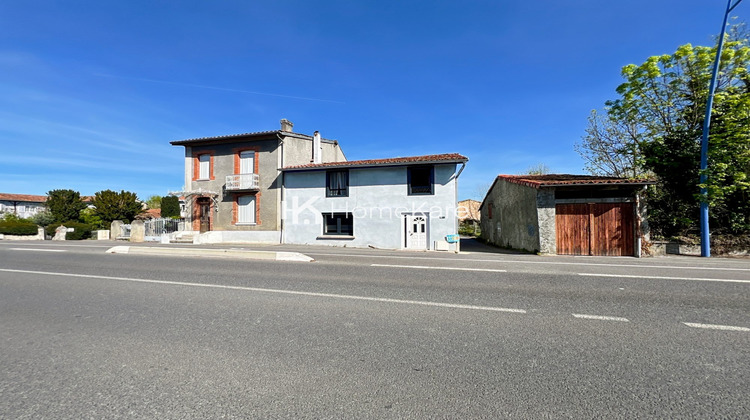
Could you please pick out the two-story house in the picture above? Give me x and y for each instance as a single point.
(397, 203)
(233, 183)
(22, 205)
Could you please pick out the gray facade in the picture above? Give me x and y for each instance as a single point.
(272, 150)
(379, 203)
(510, 218)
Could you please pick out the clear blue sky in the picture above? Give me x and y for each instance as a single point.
(92, 92)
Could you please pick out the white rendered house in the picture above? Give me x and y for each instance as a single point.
(398, 203)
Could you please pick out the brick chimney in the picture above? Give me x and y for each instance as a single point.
(286, 125)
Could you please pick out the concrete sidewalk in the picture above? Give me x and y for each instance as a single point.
(208, 252)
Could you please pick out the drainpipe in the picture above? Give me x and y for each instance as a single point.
(455, 200)
(279, 203)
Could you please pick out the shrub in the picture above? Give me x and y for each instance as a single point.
(43, 218)
(80, 230)
(170, 207)
(17, 227)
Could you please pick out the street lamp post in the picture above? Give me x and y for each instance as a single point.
(705, 237)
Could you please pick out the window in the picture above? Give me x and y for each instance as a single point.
(337, 183)
(338, 224)
(204, 166)
(247, 162)
(246, 209)
(420, 180)
(489, 210)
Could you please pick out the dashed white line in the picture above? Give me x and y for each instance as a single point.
(602, 317)
(716, 327)
(427, 267)
(277, 291)
(629, 276)
(37, 249)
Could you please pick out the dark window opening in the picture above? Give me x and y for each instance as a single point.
(420, 179)
(337, 184)
(338, 224)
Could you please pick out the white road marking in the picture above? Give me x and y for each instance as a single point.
(277, 291)
(662, 278)
(716, 327)
(37, 249)
(410, 257)
(601, 317)
(427, 267)
(67, 245)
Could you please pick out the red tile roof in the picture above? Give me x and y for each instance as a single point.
(23, 197)
(233, 137)
(149, 214)
(442, 158)
(538, 181)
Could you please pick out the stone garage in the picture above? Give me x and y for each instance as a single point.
(566, 214)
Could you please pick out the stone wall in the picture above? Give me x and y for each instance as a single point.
(515, 219)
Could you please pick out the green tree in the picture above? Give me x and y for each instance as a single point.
(110, 205)
(89, 217)
(154, 202)
(655, 127)
(43, 218)
(170, 206)
(64, 205)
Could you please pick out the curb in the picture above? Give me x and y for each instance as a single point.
(202, 252)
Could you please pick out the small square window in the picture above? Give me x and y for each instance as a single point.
(420, 180)
(337, 183)
(338, 224)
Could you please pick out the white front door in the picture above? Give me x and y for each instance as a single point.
(416, 231)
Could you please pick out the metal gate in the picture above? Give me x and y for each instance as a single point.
(158, 227)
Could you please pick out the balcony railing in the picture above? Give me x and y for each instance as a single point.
(242, 182)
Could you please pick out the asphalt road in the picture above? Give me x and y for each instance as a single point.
(370, 334)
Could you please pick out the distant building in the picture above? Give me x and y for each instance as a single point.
(468, 211)
(22, 205)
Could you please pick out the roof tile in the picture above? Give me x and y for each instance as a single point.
(23, 197)
(445, 157)
(537, 181)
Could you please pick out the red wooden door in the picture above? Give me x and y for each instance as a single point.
(595, 229)
(572, 229)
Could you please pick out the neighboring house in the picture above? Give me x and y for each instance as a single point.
(233, 183)
(398, 203)
(22, 205)
(149, 214)
(468, 211)
(566, 214)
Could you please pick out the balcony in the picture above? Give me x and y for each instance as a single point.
(242, 182)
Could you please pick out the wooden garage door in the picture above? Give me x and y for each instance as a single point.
(594, 229)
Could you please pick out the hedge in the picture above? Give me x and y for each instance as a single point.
(17, 227)
(80, 230)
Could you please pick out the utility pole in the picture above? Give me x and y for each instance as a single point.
(705, 236)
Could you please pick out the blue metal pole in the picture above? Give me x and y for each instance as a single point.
(705, 236)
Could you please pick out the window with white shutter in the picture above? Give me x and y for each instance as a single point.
(246, 209)
(204, 166)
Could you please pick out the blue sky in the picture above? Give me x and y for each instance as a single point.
(92, 92)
